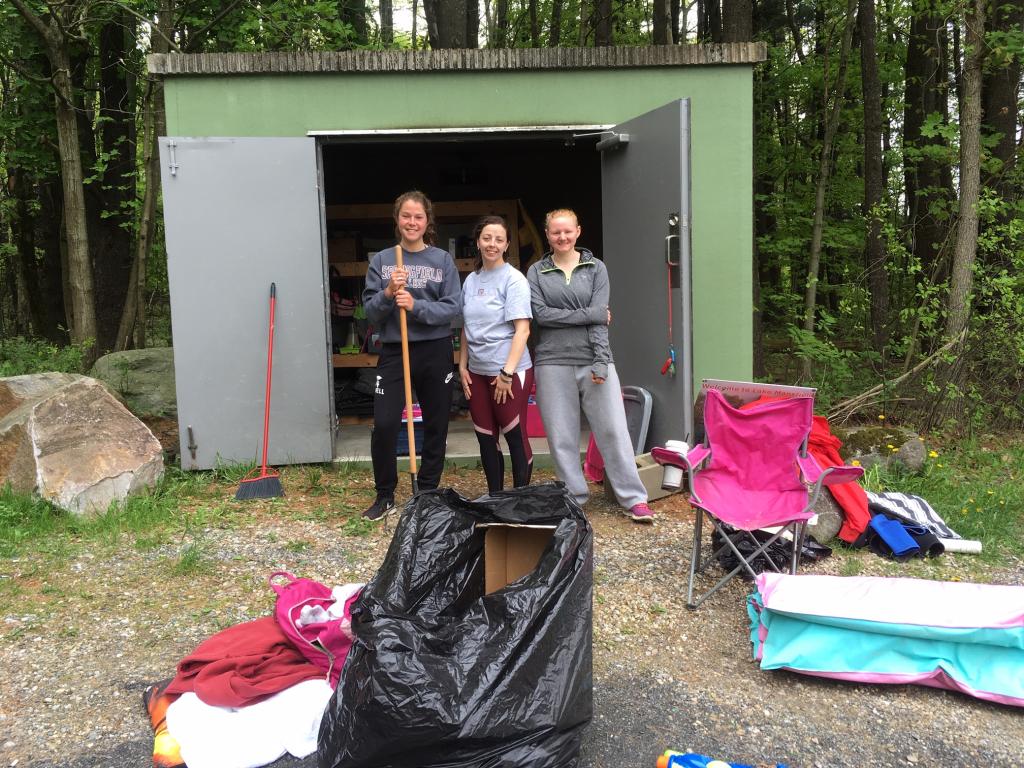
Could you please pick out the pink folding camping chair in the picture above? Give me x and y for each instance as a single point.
(753, 472)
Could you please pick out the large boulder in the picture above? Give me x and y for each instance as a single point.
(144, 378)
(68, 439)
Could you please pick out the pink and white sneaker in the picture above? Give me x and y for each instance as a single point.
(641, 513)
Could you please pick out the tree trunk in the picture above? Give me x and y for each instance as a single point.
(555, 30)
(387, 23)
(23, 226)
(663, 22)
(999, 85)
(824, 173)
(737, 21)
(928, 189)
(111, 198)
(603, 32)
(502, 23)
(534, 24)
(961, 278)
(948, 403)
(874, 181)
(79, 275)
(353, 13)
(449, 23)
(415, 21)
(132, 328)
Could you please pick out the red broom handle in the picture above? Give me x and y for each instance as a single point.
(270, 366)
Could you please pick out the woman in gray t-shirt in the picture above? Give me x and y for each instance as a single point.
(495, 366)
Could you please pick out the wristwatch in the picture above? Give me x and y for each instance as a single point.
(505, 374)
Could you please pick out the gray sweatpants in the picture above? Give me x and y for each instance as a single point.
(561, 391)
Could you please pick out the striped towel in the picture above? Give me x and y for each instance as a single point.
(915, 509)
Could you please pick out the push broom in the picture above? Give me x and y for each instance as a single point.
(404, 329)
(264, 483)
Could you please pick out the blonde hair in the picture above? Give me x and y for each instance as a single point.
(560, 212)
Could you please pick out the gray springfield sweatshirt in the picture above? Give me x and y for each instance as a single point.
(571, 313)
(434, 285)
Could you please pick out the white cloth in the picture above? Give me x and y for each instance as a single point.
(316, 614)
(251, 736)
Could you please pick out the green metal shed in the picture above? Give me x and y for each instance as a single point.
(653, 147)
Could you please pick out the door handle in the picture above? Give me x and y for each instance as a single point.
(668, 250)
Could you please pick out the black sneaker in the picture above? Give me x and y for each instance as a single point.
(379, 508)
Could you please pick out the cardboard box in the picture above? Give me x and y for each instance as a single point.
(511, 552)
(650, 475)
(342, 248)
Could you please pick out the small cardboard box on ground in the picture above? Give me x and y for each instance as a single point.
(512, 551)
(650, 475)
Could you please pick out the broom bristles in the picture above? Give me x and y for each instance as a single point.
(262, 487)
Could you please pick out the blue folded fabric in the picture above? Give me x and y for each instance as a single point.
(894, 535)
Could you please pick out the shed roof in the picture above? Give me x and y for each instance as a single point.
(460, 60)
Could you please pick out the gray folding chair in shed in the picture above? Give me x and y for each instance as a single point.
(638, 403)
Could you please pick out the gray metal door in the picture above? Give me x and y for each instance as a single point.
(240, 214)
(645, 191)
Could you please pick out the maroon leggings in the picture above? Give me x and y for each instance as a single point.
(491, 419)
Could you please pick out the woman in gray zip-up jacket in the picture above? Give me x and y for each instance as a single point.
(573, 366)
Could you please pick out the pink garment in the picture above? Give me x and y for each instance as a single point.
(753, 480)
(324, 643)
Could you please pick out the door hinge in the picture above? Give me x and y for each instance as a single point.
(614, 141)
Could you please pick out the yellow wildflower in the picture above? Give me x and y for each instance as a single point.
(881, 417)
(933, 454)
(855, 462)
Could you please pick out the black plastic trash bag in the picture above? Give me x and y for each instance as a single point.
(441, 674)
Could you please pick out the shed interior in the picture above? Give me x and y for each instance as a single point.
(542, 171)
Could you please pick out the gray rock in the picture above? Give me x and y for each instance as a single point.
(143, 377)
(911, 454)
(66, 438)
(830, 518)
(885, 444)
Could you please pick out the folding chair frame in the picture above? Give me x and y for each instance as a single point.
(811, 475)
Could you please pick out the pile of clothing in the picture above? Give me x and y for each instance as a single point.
(253, 692)
(893, 525)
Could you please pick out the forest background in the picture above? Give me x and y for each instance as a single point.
(889, 215)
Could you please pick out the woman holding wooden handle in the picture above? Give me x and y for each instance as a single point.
(427, 288)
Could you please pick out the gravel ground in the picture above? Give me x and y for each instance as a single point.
(85, 626)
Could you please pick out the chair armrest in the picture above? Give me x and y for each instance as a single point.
(814, 474)
(691, 460)
(697, 456)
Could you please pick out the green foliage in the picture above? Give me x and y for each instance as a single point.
(20, 356)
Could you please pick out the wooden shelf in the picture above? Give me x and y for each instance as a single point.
(364, 360)
(359, 268)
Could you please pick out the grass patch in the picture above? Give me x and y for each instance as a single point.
(191, 561)
(25, 518)
(976, 487)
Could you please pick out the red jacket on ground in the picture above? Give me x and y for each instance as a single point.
(241, 665)
(824, 447)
